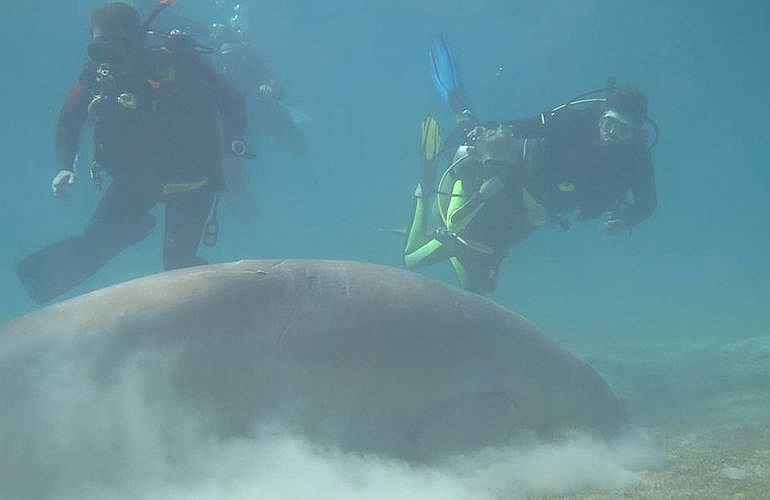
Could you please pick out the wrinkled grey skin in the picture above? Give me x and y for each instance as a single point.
(360, 356)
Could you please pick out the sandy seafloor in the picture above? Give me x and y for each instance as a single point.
(709, 417)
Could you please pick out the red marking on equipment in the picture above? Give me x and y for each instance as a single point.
(75, 93)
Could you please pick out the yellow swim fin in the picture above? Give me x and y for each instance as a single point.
(430, 139)
(430, 149)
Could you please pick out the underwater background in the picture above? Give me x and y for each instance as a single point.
(697, 269)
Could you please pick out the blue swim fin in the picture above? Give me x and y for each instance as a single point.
(446, 76)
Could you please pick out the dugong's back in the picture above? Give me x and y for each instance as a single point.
(365, 357)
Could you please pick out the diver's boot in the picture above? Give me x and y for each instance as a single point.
(61, 266)
(57, 268)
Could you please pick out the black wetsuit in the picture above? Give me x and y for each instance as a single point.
(569, 168)
(163, 144)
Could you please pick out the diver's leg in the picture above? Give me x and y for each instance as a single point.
(462, 208)
(456, 201)
(430, 253)
(186, 215)
(478, 270)
(416, 236)
(433, 251)
(421, 250)
(476, 274)
(417, 231)
(460, 271)
(121, 219)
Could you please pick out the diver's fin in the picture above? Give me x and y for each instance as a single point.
(430, 139)
(430, 149)
(446, 76)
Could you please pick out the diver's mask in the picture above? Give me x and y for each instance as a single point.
(110, 49)
(616, 128)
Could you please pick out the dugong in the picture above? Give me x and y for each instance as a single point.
(362, 357)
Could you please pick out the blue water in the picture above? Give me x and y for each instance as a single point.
(697, 268)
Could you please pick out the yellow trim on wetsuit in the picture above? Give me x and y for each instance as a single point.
(184, 187)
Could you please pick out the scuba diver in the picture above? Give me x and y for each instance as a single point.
(484, 206)
(239, 62)
(159, 115)
(587, 156)
(269, 117)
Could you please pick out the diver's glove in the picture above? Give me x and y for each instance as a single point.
(614, 224)
(491, 187)
(265, 90)
(63, 178)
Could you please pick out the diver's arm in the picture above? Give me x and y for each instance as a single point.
(549, 123)
(530, 128)
(263, 77)
(645, 195)
(71, 119)
(645, 200)
(232, 107)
